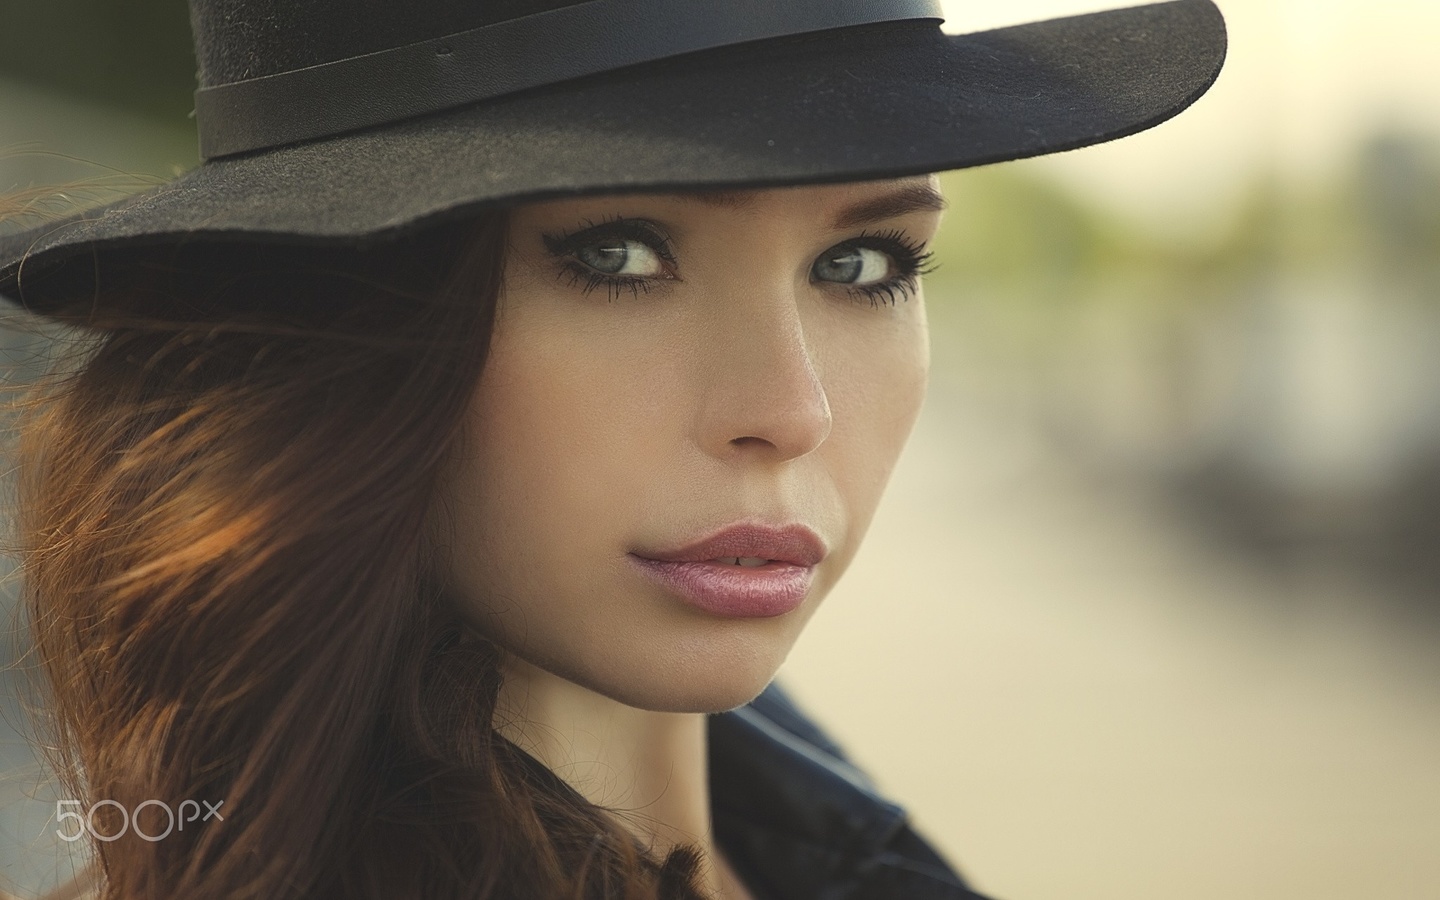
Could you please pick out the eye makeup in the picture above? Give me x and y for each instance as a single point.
(569, 247)
(612, 240)
(909, 260)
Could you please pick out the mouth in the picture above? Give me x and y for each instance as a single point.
(746, 570)
(749, 544)
(730, 589)
(749, 562)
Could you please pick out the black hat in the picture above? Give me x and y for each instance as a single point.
(355, 120)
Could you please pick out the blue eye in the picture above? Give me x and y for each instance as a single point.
(853, 265)
(875, 267)
(619, 255)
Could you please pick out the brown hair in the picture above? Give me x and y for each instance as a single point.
(222, 528)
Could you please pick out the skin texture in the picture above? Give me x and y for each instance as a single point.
(727, 384)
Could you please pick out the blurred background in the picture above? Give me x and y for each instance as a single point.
(1152, 607)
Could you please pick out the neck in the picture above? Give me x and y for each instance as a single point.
(650, 768)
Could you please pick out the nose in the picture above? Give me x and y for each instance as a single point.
(763, 395)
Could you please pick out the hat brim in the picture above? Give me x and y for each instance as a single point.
(863, 103)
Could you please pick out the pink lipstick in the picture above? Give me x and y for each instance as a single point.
(743, 571)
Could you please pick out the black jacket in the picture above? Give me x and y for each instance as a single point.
(798, 821)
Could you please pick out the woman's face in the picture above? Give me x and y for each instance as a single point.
(664, 367)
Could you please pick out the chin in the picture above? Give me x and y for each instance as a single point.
(703, 677)
(707, 698)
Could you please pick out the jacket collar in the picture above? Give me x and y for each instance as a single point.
(797, 819)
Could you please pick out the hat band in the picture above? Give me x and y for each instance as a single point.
(531, 51)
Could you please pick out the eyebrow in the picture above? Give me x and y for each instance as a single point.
(906, 200)
(915, 198)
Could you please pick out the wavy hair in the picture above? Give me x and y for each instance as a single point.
(222, 528)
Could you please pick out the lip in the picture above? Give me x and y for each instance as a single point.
(793, 544)
(694, 573)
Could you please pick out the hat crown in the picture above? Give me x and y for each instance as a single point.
(275, 75)
(236, 40)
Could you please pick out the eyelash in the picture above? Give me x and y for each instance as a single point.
(565, 245)
(910, 258)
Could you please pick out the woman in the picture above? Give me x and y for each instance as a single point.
(455, 455)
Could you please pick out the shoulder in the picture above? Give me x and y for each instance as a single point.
(795, 814)
(776, 704)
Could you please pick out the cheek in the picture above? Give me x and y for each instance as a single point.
(541, 500)
(876, 384)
